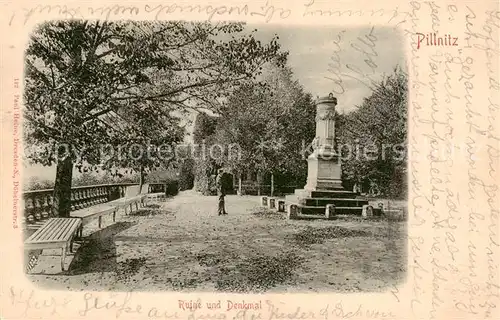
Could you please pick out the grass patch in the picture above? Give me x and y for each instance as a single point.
(257, 274)
(180, 284)
(268, 214)
(208, 259)
(311, 235)
(128, 268)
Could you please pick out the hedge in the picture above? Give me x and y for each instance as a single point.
(171, 187)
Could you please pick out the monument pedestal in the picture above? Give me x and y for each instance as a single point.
(323, 171)
(323, 195)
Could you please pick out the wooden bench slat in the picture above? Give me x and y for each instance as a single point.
(48, 228)
(76, 225)
(68, 232)
(66, 228)
(55, 229)
(93, 211)
(46, 231)
(38, 232)
(56, 233)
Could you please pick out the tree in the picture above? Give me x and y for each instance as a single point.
(146, 140)
(81, 74)
(270, 120)
(379, 125)
(204, 166)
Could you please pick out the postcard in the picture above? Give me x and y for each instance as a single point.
(250, 160)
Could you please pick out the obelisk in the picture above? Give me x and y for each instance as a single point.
(324, 168)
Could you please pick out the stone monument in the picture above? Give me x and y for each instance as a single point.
(323, 164)
(323, 195)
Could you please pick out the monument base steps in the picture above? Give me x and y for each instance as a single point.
(313, 203)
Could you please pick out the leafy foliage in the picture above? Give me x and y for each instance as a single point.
(378, 125)
(270, 120)
(204, 127)
(86, 80)
(95, 83)
(35, 183)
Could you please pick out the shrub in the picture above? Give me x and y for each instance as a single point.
(204, 176)
(171, 187)
(36, 183)
(186, 175)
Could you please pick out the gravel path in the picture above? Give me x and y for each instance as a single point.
(182, 244)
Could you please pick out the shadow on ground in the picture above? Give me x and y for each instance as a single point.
(98, 251)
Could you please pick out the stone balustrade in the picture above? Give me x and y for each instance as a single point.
(38, 204)
(156, 187)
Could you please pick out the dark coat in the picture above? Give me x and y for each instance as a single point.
(219, 185)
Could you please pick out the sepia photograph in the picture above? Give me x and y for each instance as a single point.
(214, 157)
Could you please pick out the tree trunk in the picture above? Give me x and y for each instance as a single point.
(141, 179)
(239, 184)
(272, 184)
(258, 183)
(62, 188)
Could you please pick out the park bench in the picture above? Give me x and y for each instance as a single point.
(156, 195)
(98, 211)
(59, 232)
(133, 196)
(54, 234)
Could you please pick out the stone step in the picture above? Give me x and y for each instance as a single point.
(318, 210)
(338, 202)
(301, 193)
(348, 211)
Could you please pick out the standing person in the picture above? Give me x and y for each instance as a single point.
(220, 192)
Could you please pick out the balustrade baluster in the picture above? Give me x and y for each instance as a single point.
(30, 207)
(82, 198)
(73, 200)
(39, 204)
(79, 199)
(96, 195)
(50, 204)
(45, 210)
(99, 195)
(87, 198)
(90, 198)
(104, 195)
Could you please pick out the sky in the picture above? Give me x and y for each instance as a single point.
(324, 60)
(318, 55)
